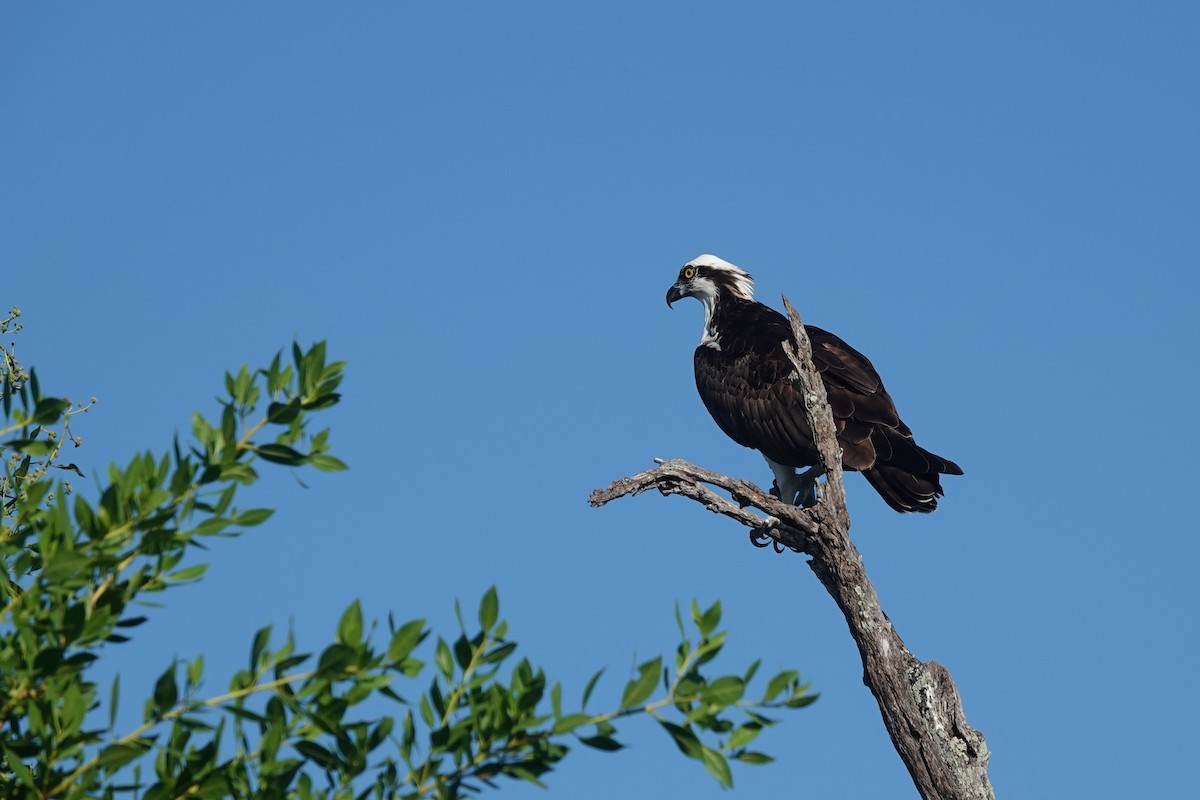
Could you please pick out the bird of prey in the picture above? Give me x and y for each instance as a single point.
(747, 383)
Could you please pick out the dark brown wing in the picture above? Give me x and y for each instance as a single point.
(746, 388)
(905, 474)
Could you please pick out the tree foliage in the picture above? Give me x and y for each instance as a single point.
(396, 712)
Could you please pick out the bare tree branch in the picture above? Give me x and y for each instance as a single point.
(921, 709)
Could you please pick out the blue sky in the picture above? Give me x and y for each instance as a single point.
(481, 207)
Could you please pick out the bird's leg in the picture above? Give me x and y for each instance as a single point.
(800, 490)
(787, 482)
(807, 495)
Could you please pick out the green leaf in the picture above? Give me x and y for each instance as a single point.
(689, 685)
(408, 734)
(710, 648)
(380, 732)
(84, 517)
(801, 700)
(187, 573)
(779, 683)
(243, 387)
(19, 769)
(410, 667)
(743, 735)
(463, 652)
(723, 691)
(405, 640)
(64, 564)
(439, 737)
(317, 754)
(283, 413)
(334, 660)
(498, 654)
(517, 771)
(710, 619)
(284, 664)
(591, 684)
(228, 425)
(280, 454)
(489, 609)
(115, 756)
(255, 516)
(114, 697)
(750, 757)
(166, 692)
(443, 659)
(33, 447)
(202, 429)
(322, 401)
(327, 463)
(239, 472)
(350, 628)
(717, 766)
(639, 689)
(682, 653)
(195, 670)
(269, 746)
(48, 410)
(426, 710)
(685, 739)
(606, 743)
(211, 526)
(571, 722)
(259, 646)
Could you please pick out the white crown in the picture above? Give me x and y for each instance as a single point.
(739, 283)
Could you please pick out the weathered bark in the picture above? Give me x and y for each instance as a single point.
(918, 700)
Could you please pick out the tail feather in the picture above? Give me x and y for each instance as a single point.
(902, 490)
(906, 489)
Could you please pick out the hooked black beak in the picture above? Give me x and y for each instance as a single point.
(673, 294)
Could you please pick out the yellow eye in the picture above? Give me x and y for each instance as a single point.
(689, 273)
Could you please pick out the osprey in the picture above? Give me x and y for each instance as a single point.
(746, 381)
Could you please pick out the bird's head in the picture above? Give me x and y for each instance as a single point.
(707, 277)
